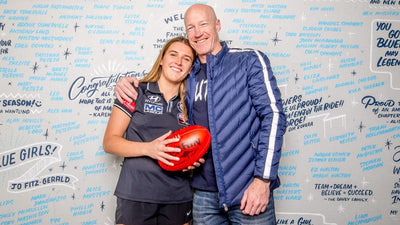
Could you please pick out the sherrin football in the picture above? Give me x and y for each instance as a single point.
(194, 142)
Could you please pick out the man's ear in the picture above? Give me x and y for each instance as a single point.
(218, 25)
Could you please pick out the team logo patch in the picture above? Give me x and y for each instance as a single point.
(155, 109)
(180, 107)
(182, 119)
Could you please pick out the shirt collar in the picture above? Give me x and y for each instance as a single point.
(153, 87)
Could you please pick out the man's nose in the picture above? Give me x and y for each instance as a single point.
(198, 31)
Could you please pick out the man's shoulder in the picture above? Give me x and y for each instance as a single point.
(244, 52)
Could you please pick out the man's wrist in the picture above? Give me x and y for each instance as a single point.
(263, 179)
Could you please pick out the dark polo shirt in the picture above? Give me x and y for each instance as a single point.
(141, 178)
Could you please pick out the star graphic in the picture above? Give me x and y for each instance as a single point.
(388, 143)
(373, 200)
(341, 208)
(76, 26)
(310, 197)
(364, 182)
(275, 39)
(46, 134)
(296, 78)
(73, 196)
(102, 206)
(303, 17)
(361, 126)
(330, 65)
(67, 53)
(354, 102)
(63, 165)
(115, 164)
(353, 73)
(35, 67)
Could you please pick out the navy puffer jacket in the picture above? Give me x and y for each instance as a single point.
(246, 119)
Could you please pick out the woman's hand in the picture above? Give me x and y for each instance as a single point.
(158, 149)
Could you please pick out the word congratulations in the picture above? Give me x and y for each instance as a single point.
(82, 86)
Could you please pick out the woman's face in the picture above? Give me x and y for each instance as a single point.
(177, 62)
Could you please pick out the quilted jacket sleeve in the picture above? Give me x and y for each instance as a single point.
(266, 99)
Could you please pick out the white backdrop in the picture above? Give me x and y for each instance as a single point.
(337, 65)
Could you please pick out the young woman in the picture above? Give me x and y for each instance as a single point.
(137, 131)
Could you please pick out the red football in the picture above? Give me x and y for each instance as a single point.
(194, 141)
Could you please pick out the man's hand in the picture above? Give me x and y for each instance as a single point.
(124, 89)
(255, 198)
(195, 165)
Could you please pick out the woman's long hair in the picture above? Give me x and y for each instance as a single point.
(155, 71)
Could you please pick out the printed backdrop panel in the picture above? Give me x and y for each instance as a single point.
(336, 62)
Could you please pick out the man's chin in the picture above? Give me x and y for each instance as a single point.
(202, 51)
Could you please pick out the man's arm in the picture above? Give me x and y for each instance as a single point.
(124, 89)
(266, 99)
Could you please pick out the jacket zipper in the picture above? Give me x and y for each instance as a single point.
(225, 207)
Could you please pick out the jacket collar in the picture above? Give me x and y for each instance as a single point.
(212, 60)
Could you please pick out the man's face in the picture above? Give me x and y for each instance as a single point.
(202, 31)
